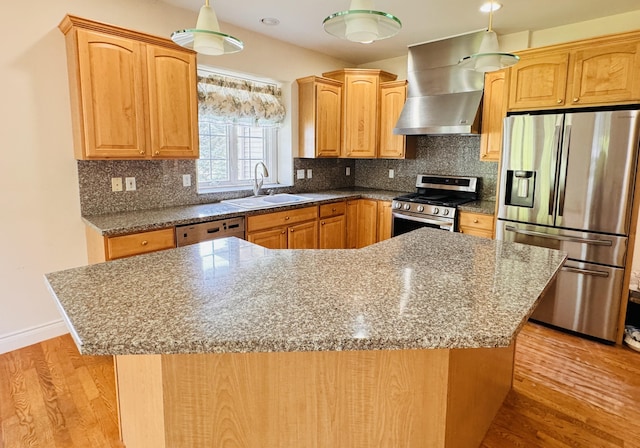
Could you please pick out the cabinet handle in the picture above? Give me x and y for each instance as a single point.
(575, 100)
(157, 153)
(145, 242)
(559, 101)
(286, 218)
(321, 223)
(283, 232)
(475, 220)
(333, 209)
(290, 230)
(141, 152)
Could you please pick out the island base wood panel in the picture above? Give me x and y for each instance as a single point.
(383, 399)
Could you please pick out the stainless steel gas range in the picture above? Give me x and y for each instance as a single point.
(434, 204)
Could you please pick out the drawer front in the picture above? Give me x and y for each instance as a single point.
(333, 209)
(140, 243)
(277, 219)
(476, 221)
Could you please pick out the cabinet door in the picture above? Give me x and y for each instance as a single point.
(173, 109)
(328, 120)
(606, 74)
(360, 115)
(303, 236)
(271, 239)
(539, 81)
(111, 113)
(384, 220)
(494, 109)
(333, 232)
(392, 98)
(367, 222)
(352, 224)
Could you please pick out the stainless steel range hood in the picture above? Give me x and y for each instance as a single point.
(442, 98)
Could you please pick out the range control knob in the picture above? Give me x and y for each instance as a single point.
(407, 206)
(420, 208)
(397, 205)
(436, 210)
(445, 212)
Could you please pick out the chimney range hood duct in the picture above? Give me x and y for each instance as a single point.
(443, 98)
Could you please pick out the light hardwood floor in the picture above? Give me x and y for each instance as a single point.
(568, 392)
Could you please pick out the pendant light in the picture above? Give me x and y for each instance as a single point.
(206, 37)
(361, 23)
(489, 58)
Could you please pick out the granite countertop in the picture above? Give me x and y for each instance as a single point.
(144, 220)
(482, 206)
(426, 289)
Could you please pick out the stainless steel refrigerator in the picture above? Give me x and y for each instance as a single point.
(567, 183)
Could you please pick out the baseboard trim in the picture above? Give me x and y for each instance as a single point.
(33, 335)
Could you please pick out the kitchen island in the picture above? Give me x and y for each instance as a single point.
(405, 343)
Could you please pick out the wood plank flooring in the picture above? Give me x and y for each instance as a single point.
(568, 392)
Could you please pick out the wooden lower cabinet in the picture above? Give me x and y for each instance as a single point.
(333, 232)
(478, 224)
(271, 239)
(352, 223)
(102, 248)
(290, 229)
(384, 220)
(367, 222)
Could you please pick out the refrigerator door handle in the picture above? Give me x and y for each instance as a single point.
(552, 186)
(572, 239)
(585, 271)
(564, 161)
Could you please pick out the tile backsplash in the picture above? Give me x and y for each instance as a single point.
(159, 182)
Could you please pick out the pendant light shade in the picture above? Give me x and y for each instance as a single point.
(206, 37)
(489, 58)
(361, 23)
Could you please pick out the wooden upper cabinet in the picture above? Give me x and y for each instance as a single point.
(173, 98)
(109, 112)
(539, 80)
(392, 98)
(360, 110)
(133, 95)
(592, 72)
(319, 117)
(494, 109)
(606, 73)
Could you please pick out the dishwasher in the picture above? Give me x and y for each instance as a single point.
(211, 230)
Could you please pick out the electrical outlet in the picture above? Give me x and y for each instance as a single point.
(300, 174)
(186, 180)
(130, 183)
(391, 174)
(116, 184)
(309, 174)
(348, 171)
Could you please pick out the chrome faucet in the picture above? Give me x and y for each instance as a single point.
(257, 185)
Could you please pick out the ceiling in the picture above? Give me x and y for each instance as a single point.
(423, 20)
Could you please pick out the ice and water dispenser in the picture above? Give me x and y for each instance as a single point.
(520, 188)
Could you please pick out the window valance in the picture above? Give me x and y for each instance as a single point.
(235, 100)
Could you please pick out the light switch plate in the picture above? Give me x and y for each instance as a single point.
(309, 174)
(391, 174)
(300, 174)
(186, 180)
(348, 171)
(130, 183)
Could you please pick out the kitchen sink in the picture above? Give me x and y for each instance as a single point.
(274, 200)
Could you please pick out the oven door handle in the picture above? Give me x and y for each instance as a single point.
(442, 224)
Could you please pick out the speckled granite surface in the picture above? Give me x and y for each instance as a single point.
(140, 221)
(486, 207)
(426, 289)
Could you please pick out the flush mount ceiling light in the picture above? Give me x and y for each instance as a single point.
(490, 6)
(489, 58)
(361, 23)
(206, 37)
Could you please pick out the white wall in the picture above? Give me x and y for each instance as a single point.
(39, 203)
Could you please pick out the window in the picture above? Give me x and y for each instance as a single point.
(238, 126)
